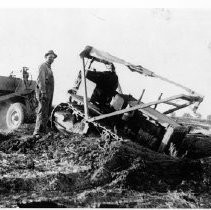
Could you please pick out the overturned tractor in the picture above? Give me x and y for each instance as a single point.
(96, 101)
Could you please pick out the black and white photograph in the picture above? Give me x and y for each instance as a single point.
(105, 106)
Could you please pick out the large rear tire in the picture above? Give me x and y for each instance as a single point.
(15, 116)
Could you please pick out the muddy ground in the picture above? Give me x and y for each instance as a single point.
(62, 170)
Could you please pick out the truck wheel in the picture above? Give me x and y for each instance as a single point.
(14, 116)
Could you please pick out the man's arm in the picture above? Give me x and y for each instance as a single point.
(41, 80)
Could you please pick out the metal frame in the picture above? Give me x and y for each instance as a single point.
(190, 98)
(141, 106)
(86, 111)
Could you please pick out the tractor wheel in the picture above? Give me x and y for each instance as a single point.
(14, 116)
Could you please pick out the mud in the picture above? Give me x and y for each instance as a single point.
(60, 170)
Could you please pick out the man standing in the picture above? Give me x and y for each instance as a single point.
(44, 94)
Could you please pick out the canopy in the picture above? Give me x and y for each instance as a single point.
(91, 52)
(101, 56)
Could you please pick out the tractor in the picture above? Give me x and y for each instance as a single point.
(97, 102)
(17, 100)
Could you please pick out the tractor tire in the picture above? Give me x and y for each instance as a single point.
(15, 116)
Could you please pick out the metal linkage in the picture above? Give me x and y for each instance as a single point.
(104, 129)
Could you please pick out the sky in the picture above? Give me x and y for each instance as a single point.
(174, 43)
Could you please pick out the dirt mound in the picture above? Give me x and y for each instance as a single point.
(195, 146)
(87, 171)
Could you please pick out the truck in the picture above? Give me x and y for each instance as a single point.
(17, 100)
(97, 102)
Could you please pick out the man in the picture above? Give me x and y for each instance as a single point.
(44, 94)
(106, 85)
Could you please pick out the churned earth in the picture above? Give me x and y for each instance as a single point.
(61, 170)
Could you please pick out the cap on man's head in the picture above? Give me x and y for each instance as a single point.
(51, 52)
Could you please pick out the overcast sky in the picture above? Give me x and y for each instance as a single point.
(174, 43)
